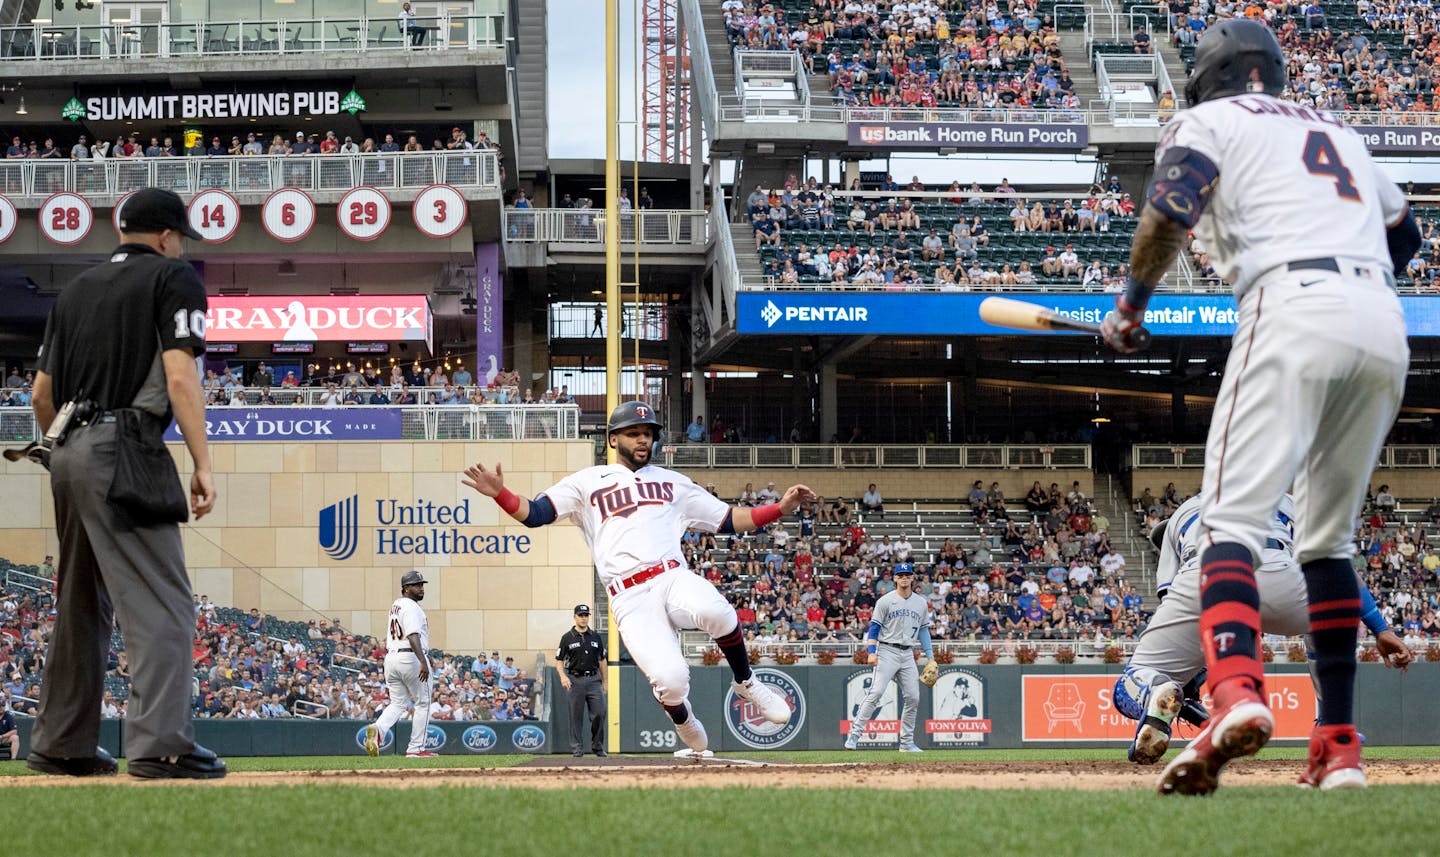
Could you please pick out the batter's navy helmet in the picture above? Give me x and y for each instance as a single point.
(628, 414)
(1236, 57)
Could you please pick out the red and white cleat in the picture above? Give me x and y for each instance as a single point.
(423, 754)
(1240, 728)
(1334, 761)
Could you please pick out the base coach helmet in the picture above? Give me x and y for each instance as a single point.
(629, 414)
(1236, 57)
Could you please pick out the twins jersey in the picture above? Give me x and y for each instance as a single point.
(407, 618)
(901, 619)
(1180, 546)
(633, 519)
(1294, 183)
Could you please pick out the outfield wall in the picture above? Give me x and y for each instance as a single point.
(506, 588)
(996, 706)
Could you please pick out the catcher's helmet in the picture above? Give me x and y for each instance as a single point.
(628, 414)
(1236, 57)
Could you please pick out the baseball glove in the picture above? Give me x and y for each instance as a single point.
(930, 674)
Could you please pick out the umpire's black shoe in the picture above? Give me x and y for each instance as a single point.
(102, 764)
(198, 764)
(601, 753)
(579, 754)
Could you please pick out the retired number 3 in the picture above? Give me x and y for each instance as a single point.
(1321, 159)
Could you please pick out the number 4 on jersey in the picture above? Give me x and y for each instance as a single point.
(1321, 159)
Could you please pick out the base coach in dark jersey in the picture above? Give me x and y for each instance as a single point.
(117, 362)
(581, 662)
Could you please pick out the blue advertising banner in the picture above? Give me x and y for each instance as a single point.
(298, 424)
(856, 313)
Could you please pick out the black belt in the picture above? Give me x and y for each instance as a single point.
(1326, 264)
(1331, 264)
(581, 675)
(894, 645)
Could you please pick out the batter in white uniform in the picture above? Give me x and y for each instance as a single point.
(1168, 657)
(633, 515)
(407, 669)
(1301, 222)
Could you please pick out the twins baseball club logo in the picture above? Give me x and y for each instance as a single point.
(750, 726)
(528, 738)
(479, 739)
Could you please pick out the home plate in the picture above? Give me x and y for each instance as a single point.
(709, 756)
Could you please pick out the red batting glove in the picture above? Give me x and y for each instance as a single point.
(1119, 324)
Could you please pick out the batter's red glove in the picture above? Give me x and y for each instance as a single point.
(1119, 327)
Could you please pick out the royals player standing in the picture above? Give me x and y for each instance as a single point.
(407, 669)
(1301, 222)
(901, 622)
(633, 515)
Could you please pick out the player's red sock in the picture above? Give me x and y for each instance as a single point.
(1334, 596)
(1230, 616)
(732, 646)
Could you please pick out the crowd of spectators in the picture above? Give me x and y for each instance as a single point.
(924, 53)
(252, 666)
(1394, 556)
(1043, 570)
(810, 234)
(254, 143)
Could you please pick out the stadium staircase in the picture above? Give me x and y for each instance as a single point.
(722, 59)
(1111, 499)
(1175, 66)
(746, 258)
(1081, 66)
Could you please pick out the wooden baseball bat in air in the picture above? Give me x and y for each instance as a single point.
(1004, 312)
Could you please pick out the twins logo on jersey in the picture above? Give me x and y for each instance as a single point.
(621, 502)
(750, 726)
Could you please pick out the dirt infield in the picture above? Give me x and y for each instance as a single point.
(621, 773)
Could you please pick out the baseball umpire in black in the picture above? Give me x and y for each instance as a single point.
(581, 662)
(118, 360)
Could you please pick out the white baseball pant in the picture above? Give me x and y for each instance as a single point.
(1311, 388)
(402, 677)
(648, 616)
(894, 663)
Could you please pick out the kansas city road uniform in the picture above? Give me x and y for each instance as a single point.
(899, 626)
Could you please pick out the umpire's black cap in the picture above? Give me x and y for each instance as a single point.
(154, 209)
(413, 578)
(628, 414)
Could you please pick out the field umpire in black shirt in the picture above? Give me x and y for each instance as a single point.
(580, 660)
(121, 346)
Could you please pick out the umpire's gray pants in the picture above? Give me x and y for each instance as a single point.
(897, 664)
(108, 568)
(586, 692)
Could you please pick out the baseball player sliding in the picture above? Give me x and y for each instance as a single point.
(1302, 223)
(407, 669)
(901, 622)
(1163, 676)
(632, 515)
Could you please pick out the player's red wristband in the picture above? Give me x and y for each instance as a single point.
(764, 516)
(508, 500)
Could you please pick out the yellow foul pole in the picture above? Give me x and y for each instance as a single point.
(612, 302)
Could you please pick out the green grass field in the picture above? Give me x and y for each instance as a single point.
(334, 819)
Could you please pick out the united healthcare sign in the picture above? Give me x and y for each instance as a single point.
(856, 313)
